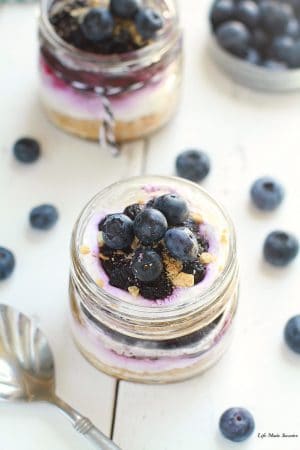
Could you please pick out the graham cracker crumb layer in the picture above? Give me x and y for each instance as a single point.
(124, 131)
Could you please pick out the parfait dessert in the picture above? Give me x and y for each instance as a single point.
(109, 68)
(154, 284)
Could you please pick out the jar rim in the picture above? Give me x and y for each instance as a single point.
(166, 40)
(144, 312)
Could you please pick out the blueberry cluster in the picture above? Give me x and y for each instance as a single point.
(124, 26)
(262, 32)
(140, 243)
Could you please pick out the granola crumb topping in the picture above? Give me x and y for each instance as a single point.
(224, 236)
(100, 282)
(84, 249)
(173, 266)
(206, 258)
(134, 291)
(184, 280)
(197, 217)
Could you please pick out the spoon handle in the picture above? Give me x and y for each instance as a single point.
(84, 426)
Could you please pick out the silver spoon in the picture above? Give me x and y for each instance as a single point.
(27, 372)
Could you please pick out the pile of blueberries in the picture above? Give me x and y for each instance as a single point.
(162, 225)
(107, 30)
(262, 32)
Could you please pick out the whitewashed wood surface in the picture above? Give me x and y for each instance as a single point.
(247, 134)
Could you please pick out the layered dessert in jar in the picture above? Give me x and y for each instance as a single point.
(110, 68)
(154, 280)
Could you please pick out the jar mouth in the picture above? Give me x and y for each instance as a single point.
(165, 40)
(163, 312)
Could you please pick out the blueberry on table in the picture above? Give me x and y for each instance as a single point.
(182, 244)
(173, 207)
(7, 263)
(150, 226)
(222, 11)
(43, 217)
(234, 37)
(194, 165)
(247, 12)
(148, 22)
(275, 16)
(292, 334)
(117, 231)
(147, 265)
(280, 248)
(124, 8)
(27, 150)
(236, 424)
(97, 24)
(267, 193)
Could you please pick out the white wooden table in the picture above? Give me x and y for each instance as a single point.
(247, 134)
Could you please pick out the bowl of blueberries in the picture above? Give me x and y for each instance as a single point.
(257, 42)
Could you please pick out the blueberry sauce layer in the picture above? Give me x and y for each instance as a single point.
(153, 252)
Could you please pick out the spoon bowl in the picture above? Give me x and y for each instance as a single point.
(27, 372)
(26, 361)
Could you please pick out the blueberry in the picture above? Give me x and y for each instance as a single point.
(148, 22)
(221, 11)
(275, 16)
(292, 28)
(147, 265)
(247, 12)
(260, 39)
(150, 226)
(293, 55)
(173, 207)
(43, 217)
(281, 48)
(124, 8)
(133, 210)
(7, 263)
(273, 65)
(236, 424)
(280, 248)
(117, 231)
(194, 165)
(234, 37)
(292, 334)
(97, 24)
(182, 244)
(27, 150)
(253, 56)
(267, 193)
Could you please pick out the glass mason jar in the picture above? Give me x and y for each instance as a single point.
(153, 341)
(126, 95)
